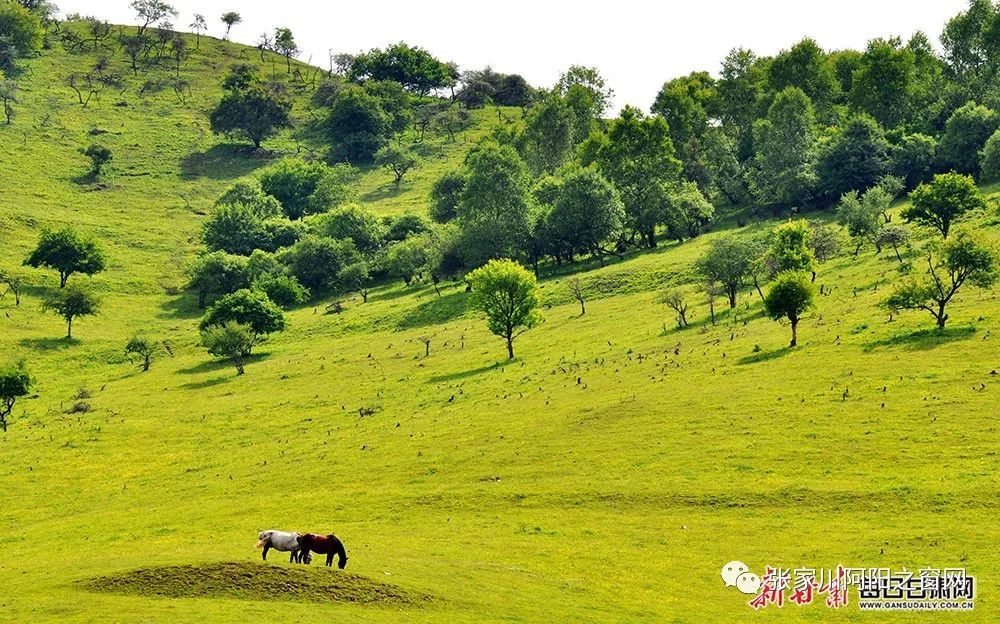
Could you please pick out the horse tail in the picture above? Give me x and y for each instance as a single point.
(339, 549)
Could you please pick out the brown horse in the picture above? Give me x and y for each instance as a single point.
(327, 545)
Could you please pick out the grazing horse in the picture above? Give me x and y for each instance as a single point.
(283, 541)
(327, 545)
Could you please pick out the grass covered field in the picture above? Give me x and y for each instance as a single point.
(606, 474)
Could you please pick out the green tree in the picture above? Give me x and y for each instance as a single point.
(446, 194)
(546, 142)
(790, 250)
(356, 223)
(398, 160)
(407, 259)
(508, 294)
(493, 212)
(294, 183)
(217, 272)
(805, 66)
(251, 110)
(965, 135)
(882, 85)
(316, 261)
(961, 260)
(230, 19)
(247, 307)
(15, 382)
(356, 278)
(142, 348)
(782, 171)
(151, 12)
(590, 80)
(687, 211)
(21, 33)
(8, 97)
(790, 297)
(639, 159)
(99, 157)
(727, 262)
(913, 158)
(71, 303)
(284, 290)
(357, 126)
(971, 45)
(945, 200)
(284, 44)
(865, 214)
(587, 212)
(230, 340)
(414, 68)
(854, 159)
(67, 252)
(989, 158)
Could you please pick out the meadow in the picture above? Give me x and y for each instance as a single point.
(605, 474)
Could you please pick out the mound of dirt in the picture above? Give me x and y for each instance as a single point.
(255, 581)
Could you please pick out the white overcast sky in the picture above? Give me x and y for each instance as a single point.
(636, 45)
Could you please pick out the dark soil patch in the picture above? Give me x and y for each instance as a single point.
(255, 581)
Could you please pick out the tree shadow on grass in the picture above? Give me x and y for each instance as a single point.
(924, 338)
(212, 365)
(224, 161)
(49, 344)
(469, 373)
(764, 356)
(390, 190)
(208, 383)
(436, 311)
(182, 307)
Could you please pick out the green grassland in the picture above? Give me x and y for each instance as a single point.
(606, 474)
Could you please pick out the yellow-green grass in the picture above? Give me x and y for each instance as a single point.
(606, 474)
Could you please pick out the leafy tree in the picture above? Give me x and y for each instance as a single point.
(218, 272)
(946, 199)
(971, 45)
(722, 164)
(804, 66)
(913, 158)
(249, 307)
(493, 212)
(99, 157)
(251, 109)
(71, 303)
(446, 195)
(591, 80)
(727, 262)
(407, 259)
(413, 67)
(781, 172)
(151, 12)
(739, 90)
(546, 142)
(687, 211)
(790, 296)
(402, 226)
(144, 349)
(639, 159)
(824, 241)
(587, 212)
(854, 159)
(284, 44)
(15, 382)
(67, 252)
(883, 82)
(356, 223)
(965, 135)
(989, 158)
(396, 159)
(893, 235)
(356, 278)
(230, 19)
(961, 259)
(284, 290)
(21, 33)
(230, 340)
(508, 294)
(316, 261)
(865, 214)
(790, 251)
(294, 183)
(14, 283)
(357, 126)
(235, 229)
(395, 101)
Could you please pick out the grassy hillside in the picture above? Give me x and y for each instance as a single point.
(606, 474)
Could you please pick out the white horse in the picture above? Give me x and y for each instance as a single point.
(283, 541)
